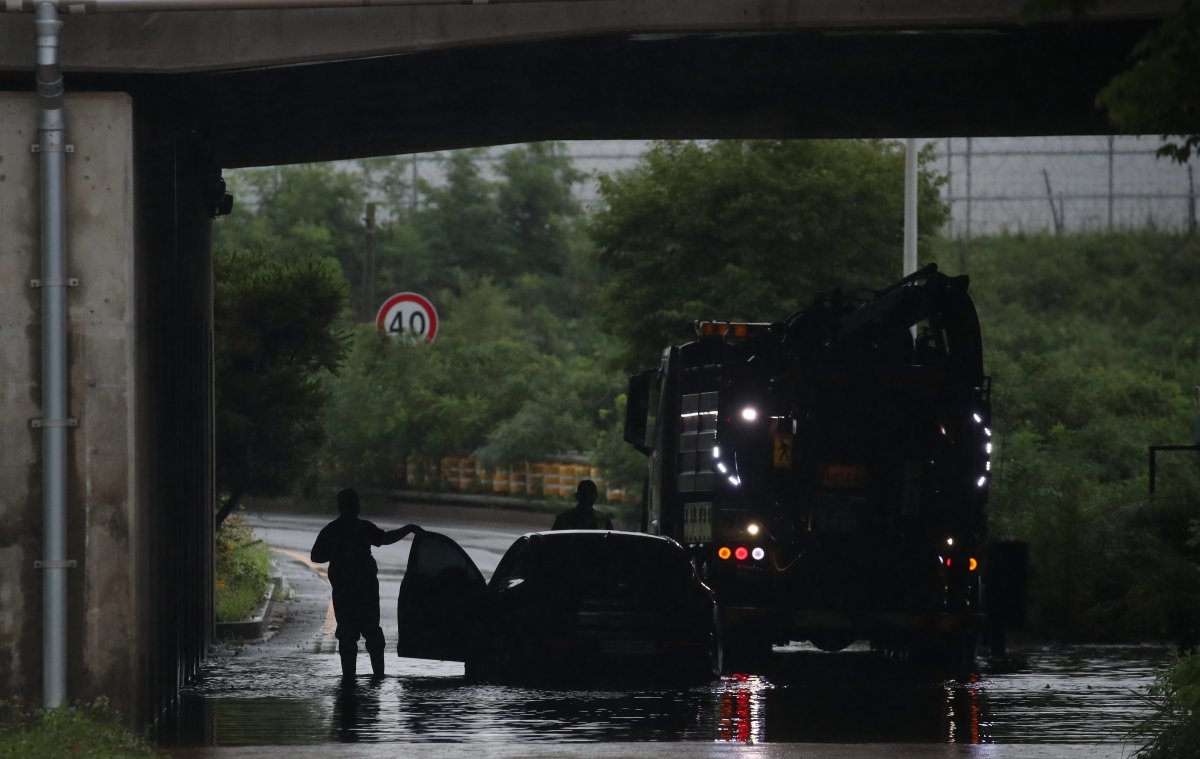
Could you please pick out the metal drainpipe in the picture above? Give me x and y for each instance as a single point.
(54, 420)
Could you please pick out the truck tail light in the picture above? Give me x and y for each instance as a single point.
(972, 562)
(741, 553)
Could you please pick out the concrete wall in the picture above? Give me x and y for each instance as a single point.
(103, 507)
(140, 360)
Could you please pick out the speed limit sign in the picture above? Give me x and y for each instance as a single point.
(408, 315)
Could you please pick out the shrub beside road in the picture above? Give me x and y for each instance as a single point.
(242, 569)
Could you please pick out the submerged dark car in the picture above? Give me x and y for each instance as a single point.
(567, 606)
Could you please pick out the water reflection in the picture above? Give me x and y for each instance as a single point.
(430, 710)
(741, 713)
(1044, 696)
(964, 710)
(355, 709)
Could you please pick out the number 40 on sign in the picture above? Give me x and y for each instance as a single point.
(408, 315)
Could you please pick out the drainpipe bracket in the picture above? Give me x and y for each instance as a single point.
(69, 282)
(36, 148)
(37, 424)
(68, 564)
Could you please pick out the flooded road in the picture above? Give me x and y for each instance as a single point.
(287, 691)
(1077, 695)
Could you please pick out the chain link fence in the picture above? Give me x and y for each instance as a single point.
(993, 185)
(1063, 184)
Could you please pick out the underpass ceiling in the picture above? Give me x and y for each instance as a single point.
(1012, 80)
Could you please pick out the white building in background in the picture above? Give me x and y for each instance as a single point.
(998, 184)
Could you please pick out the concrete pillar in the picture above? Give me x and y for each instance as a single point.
(103, 503)
(140, 463)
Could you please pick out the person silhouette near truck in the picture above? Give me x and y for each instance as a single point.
(583, 516)
(346, 544)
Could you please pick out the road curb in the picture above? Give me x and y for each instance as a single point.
(257, 625)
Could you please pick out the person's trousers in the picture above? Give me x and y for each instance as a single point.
(356, 608)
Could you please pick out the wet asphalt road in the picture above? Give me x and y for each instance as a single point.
(286, 691)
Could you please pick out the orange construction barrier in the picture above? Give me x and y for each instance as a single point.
(567, 480)
(500, 480)
(534, 472)
(450, 471)
(481, 481)
(516, 479)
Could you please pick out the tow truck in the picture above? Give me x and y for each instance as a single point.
(829, 474)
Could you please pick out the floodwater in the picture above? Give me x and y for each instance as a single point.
(287, 689)
(1043, 696)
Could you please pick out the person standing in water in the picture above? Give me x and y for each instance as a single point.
(346, 544)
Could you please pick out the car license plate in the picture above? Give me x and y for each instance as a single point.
(627, 647)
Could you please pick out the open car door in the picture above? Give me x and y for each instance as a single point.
(440, 602)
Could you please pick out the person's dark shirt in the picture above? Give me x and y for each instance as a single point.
(346, 544)
(581, 519)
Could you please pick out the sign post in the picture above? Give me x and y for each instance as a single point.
(408, 315)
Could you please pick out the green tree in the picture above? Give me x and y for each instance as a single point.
(1090, 345)
(514, 372)
(747, 230)
(459, 222)
(1159, 92)
(290, 213)
(273, 344)
(369, 434)
(537, 206)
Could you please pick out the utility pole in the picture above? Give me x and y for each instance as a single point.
(910, 206)
(368, 270)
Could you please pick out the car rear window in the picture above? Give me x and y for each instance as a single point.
(608, 559)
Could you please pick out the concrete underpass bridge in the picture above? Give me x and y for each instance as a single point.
(158, 102)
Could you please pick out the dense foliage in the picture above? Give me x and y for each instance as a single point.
(242, 568)
(1091, 344)
(1174, 730)
(501, 399)
(748, 230)
(520, 369)
(273, 341)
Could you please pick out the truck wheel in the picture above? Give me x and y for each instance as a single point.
(832, 641)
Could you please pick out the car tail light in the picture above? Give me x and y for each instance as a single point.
(724, 553)
(741, 553)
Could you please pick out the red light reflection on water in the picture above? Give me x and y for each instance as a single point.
(964, 710)
(741, 715)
